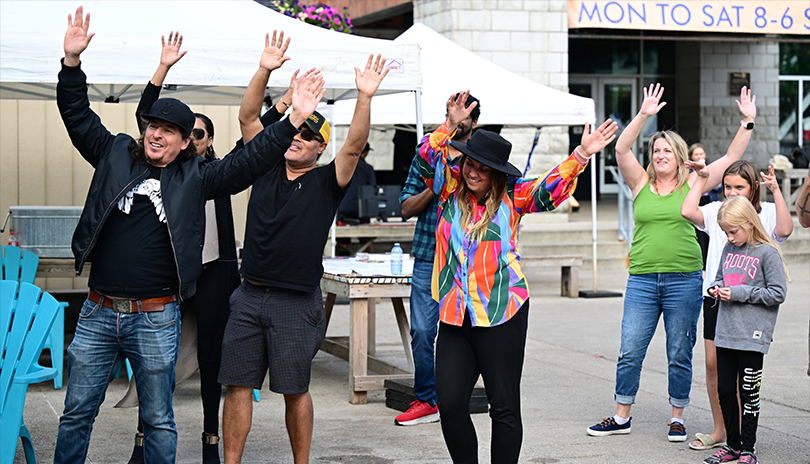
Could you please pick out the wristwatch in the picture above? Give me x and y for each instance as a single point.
(748, 125)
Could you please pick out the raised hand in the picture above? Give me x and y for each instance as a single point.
(274, 50)
(698, 166)
(369, 80)
(456, 111)
(170, 53)
(308, 90)
(76, 37)
(600, 138)
(769, 180)
(652, 103)
(747, 104)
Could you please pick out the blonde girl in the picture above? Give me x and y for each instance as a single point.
(750, 284)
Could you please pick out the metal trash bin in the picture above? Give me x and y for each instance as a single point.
(45, 230)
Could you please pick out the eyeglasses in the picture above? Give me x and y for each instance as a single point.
(198, 133)
(308, 136)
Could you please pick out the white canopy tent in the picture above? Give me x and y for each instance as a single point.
(506, 98)
(224, 40)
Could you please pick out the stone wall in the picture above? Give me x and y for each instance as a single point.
(719, 116)
(527, 37)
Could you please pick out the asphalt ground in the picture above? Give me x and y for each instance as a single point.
(568, 382)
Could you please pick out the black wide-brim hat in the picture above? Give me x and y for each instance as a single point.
(490, 149)
(174, 111)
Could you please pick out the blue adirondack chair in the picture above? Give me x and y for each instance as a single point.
(26, 320)
(21, 266)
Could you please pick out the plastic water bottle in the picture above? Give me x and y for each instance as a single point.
(13, 240)
(396, 260)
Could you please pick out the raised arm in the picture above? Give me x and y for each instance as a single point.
(77, 38)
(748, 108)
(784, 223)
(169, 55)
(84, 127)
(690, 208)
(548, 191)
(634, 173)
(803, 203)
(241, 168)
(367, 82)
(251, 108)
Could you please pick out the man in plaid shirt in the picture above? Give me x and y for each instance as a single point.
(417, 199)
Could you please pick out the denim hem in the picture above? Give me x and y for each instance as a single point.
(621, 399)
(679, 402)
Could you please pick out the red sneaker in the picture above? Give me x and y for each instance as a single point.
(418, 413)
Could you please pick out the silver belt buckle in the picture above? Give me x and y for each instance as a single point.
(122, 306)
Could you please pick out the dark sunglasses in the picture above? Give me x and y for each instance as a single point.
(308, 136)
(198, 133)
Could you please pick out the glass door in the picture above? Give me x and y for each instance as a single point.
(614, 98)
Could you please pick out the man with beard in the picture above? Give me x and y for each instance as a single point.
(417, 199)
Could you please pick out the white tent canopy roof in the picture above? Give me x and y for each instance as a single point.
(224, 40)
(506, 98)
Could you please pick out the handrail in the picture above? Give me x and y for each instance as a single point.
(627, 224)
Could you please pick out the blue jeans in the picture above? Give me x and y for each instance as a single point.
(103, 339)
(678, 297)
(424, 326)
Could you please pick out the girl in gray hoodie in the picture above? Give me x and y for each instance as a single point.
(749, 286)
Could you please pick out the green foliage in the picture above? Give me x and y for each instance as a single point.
(320, 15)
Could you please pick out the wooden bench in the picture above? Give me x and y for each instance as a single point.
(569, 283)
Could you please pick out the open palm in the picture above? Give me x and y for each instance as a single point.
(274, 50)
(76, 37)
(369, 80)
(652, 100)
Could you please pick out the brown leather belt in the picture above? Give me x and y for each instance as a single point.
(121, 305)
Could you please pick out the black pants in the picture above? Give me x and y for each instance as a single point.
(739, 371)
(496, 353)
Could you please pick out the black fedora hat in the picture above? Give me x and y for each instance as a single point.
(490, 149)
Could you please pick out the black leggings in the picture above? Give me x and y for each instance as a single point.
(745, 367)
(496, 353)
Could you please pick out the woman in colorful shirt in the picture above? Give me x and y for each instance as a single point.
(477, 278)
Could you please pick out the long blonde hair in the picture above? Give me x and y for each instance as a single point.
(466, 199)
(737, 211)
(680, 150)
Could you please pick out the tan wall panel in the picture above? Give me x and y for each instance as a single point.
(58, 163)
(9, 181)
(31, 149)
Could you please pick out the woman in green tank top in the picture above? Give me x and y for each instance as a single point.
(665, 260)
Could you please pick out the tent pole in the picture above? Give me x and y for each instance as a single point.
(593, 219)
(420, 131)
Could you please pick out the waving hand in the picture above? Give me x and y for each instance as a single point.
(77, 38)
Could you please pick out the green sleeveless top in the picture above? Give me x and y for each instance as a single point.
(663, 241)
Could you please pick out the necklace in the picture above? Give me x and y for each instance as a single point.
(655, 187)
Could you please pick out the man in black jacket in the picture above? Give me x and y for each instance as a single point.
(141, 228)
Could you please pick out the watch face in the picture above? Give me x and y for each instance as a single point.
(749, 125)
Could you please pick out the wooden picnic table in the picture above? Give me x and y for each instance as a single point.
(359, 347)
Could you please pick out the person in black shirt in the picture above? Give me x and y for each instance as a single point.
(363, 175)
(141, 227)
(277, 320)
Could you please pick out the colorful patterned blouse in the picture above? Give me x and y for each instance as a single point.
(484, 277)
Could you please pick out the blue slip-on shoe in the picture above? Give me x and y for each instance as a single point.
(677, 432)
(608, 426)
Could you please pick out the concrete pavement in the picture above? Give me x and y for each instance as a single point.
(568, 383)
